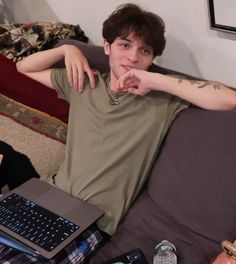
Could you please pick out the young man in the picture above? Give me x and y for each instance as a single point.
(114, 131)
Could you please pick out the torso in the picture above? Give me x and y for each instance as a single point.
(111, 148)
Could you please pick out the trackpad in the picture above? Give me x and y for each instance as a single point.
(57, 201)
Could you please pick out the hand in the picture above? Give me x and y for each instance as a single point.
(138, 82)
(224, 258)
(1, 157)
(76, 65)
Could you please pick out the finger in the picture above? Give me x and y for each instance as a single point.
(90, 74)
(69, 75)
(128, 85)
(80, 79)
(127, 82)
(133, 90)
(131, 83)
(123, 80)
(75, 78)
(129, 79)
(136, 91)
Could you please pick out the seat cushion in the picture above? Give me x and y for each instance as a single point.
(144, 227)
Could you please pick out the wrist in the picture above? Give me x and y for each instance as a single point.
(159, 82)
(63, 49)
(67, 48)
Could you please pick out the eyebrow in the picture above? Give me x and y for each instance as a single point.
(126, 39)
(130, 41)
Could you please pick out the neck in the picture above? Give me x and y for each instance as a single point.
(113, 82)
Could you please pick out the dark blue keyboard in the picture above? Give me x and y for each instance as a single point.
(34, 222)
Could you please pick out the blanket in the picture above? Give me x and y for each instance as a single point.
(20, 40)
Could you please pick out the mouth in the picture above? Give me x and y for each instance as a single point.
(127, 68)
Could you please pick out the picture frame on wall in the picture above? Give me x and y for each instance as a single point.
(222, 15)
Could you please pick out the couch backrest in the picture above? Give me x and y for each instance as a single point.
(194, 179)
(98, 60)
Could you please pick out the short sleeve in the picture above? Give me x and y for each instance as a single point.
(61, 84)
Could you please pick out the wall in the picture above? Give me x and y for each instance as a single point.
(192, 47)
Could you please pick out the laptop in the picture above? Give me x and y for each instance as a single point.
(39, 219)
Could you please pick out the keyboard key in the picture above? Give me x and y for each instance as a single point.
(34, 222)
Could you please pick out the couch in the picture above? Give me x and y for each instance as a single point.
(190, 197)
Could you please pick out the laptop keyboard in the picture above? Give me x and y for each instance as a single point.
(34, 222)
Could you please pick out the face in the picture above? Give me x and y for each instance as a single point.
(126, 54)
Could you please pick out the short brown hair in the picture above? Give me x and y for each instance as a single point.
(130, 18)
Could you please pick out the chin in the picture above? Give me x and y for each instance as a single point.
(119, 72)
(124, 71)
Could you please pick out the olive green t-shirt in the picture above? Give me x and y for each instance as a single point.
(111, 148)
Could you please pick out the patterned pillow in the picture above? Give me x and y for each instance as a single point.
(20, 40)
(39, 136)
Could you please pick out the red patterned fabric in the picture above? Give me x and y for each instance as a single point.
(30, 92)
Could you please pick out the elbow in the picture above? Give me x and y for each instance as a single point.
(19, 67)
(228, 103)
(232, 104)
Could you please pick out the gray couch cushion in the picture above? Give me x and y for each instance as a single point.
(194, 179)
(146, 225)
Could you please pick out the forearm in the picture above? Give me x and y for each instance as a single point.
(205, 94)
(41, 61)
(38, 66)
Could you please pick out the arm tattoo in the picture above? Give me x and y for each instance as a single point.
(200, 83)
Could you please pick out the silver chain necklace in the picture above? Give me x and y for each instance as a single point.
(113, 100)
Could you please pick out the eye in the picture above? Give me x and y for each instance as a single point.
(146, 51)
(124, 45)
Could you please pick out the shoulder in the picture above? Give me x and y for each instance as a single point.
(59, 78)
(58, 72)
(102, 78)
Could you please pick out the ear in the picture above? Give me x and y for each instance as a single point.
(107, 47)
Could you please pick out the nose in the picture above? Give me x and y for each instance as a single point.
(133, 55)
